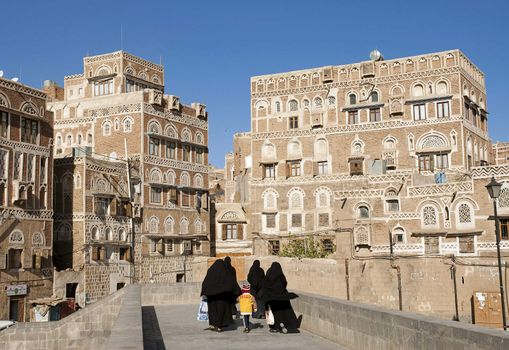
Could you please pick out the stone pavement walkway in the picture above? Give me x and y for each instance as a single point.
(175, 327)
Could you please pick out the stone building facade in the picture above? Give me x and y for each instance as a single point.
(131, 173)
(365, 154)
(500, 153)
(26, 205)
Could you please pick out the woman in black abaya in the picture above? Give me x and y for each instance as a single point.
(218, 287)
(277, 299)
(256, 278)
(236, 288)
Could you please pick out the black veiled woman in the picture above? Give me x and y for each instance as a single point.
(256, 278)
(236, 288)
(218, 287)
(277, 299)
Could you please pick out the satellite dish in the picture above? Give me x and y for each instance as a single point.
(375, 55)
(15, 79)
(1, 73)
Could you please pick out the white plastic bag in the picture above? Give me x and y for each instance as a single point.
(269, 317)
(203, 311)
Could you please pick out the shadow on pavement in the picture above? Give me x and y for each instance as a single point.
(152, 337)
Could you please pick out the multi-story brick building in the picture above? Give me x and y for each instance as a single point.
(26, 215)
(500, 153)
(128, 158)
(359, 153)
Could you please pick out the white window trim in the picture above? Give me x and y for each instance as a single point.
(150, 195)
(425, 111)
(459, 224)
(266, 229)
(437, 212)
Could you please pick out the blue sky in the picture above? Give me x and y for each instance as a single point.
(210, 49)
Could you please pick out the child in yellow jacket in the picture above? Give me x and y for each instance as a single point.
(247, 305)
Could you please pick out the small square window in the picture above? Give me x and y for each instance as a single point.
(323, 219)
(270, 220)
(294, 122)
(392, 205)
(322, 168)
(296, 220)
(274, 247)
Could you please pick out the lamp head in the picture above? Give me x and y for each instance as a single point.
(494, 188)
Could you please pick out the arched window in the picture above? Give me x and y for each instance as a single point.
(117, 125)
(198, 181)
(199, 138)
(296, 200)
(89, 138)
(109, 234)
(95, 234)
(352, 99)
(153, 225)
(128, 124)
(389, 143)
(293, 105)
(184, 226)
(278, 107)
(429, 216)
(170, 177)
(373, 97)
(357, 147)
(318, 103)
(58, 141)
(68, 140)
(80, 139)
(398, 235)
(268, 152)
(464, 214)
(169, 225)
(197, 226)
(122, 235)
(294, 150)
(171, 131)
(323, 196)
(155, 176)
(186, 135)
(107, 128)
(16, 237)
(321, 150)
(363, 212)
(270, 199)
(154, 128)
(331, 100)
(418, 90)
(442, 88)
(184, 179)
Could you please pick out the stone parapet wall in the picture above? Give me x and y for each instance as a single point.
(426, 283)
(170, 294)
(85, 329)
(359, 326)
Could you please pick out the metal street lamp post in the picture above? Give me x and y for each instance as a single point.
(494, 191)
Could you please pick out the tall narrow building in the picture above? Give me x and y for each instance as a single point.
(26, 215)
(131, 174)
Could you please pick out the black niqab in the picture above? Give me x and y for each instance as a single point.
(256, 277)
(236, 288)
(218, 280)
(275, 284)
